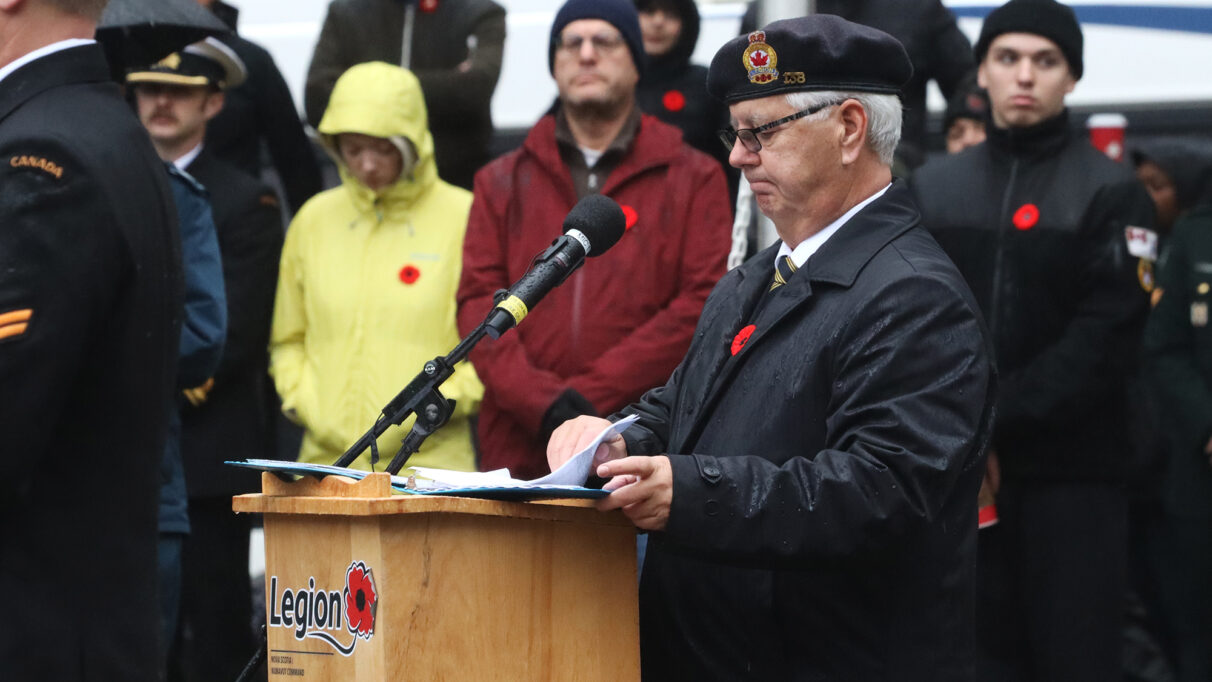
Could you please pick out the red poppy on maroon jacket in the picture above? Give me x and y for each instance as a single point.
(620, 324)
(361, 600)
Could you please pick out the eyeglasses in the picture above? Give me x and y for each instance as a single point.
(749, 136)
(603, 43)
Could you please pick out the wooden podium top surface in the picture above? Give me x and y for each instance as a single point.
(372, 496)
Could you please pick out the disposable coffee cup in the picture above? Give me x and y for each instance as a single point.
(1107, 134)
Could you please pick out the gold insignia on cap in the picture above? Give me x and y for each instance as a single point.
(760, 60)
(172, 61)
(1202, 288)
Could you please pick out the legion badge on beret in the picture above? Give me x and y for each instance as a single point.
(816, 52)
(760, 59)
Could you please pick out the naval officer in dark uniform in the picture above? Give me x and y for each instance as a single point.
(90, 296)
(809, 473)
(230, 415)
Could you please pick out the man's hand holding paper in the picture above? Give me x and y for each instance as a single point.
(641, 486)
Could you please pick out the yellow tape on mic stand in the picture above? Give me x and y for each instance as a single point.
(515, 307)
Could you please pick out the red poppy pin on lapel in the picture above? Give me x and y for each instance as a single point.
(429, 6)
(674, 100)
(630, 216)
(741, 338)
(1026, 216)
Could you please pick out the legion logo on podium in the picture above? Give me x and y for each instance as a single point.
(328, 615)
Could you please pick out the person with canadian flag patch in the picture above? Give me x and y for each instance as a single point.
(808, 474)
(1047, 232)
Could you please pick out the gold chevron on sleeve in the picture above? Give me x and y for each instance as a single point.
(14, 322)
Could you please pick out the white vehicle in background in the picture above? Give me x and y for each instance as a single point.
(1149, 59)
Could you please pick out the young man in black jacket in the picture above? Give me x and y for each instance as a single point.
(1041, 225)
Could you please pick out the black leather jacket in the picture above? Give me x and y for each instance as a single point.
(1035, 219)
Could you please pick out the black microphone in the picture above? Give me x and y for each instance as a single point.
(592, 227)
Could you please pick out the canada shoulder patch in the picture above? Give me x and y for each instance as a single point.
(40, 163)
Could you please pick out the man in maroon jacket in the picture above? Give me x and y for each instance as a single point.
(620, 325)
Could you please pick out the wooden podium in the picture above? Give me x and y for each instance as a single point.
(361, 584)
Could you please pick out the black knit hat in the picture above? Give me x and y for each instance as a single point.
(816, 52)
(1046, 18)
(619, 13)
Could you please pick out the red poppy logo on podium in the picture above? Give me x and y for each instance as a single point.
(318, 613)
(361, 600)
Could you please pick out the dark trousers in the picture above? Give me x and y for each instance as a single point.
(168, 550)
(215, 637)
(1051, 581)
(1185, 587)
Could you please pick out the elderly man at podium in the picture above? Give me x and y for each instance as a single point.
(809, 472)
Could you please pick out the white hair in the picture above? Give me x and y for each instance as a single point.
(883, 115)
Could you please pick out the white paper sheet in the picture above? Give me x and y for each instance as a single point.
(573, 473)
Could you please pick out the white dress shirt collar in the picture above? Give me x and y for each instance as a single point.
(187, 158)
(800, 254)
(42, 52)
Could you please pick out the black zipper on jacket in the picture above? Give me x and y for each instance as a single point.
(1004, 223)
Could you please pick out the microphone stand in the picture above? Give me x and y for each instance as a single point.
(420, 397)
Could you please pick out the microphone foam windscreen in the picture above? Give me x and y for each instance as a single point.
(600, 219)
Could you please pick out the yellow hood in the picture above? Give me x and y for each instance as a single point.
(381, 100)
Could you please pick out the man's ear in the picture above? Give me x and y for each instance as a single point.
(214, 102)
(854, 130)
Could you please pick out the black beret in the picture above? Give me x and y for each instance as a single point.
(816, 52)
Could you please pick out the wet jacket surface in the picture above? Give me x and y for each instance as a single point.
(620, 324)
(366, 290)
(1036, 220)
(823, 523)
(92, 251)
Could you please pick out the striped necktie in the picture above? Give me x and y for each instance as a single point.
(784, 268)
